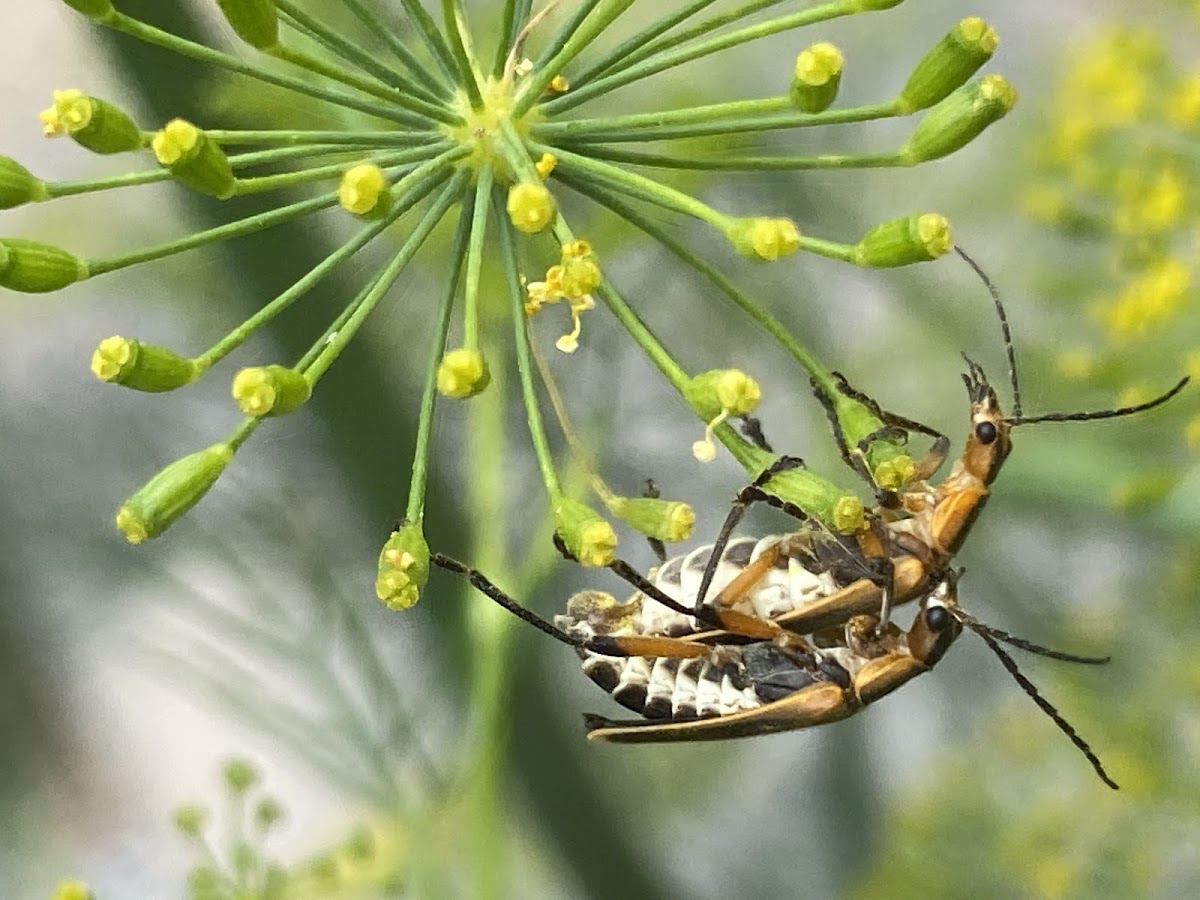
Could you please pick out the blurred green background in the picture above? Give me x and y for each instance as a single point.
(130, 673)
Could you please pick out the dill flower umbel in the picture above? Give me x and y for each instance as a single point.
(491, 135)
(1115, 176)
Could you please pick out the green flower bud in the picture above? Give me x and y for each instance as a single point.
(17, 185)
(255, 21)
(717, 391)
(664, 520)
(530, 206)
(32, 267)
(172, 492)
(239, 775)
(143, 367)
(272, 390)
(947, 66)
(360, 845)
(93, 9)
(818, 498)
(816, 78)
(403, 567)
(194, 159)
(190, 820)
(901, 242)
(759, 237)
(959, 119)
(73, 889)
(463, 373)
(94, 124)
(895, 473)
(588, 535)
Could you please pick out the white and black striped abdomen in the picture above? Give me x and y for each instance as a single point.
(732, 677)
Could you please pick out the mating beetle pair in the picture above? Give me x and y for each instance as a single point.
(798, 631)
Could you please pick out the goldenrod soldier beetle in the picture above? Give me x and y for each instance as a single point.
(717, 685)
(915, 532)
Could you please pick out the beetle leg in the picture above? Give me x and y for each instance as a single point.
(602, 644)
(752, 493)
(650, 490)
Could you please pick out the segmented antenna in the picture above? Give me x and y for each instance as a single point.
(1103, 413)
(1028, 687)
(1008, 343)
(975, 625)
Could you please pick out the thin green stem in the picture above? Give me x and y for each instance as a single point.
(516, 13)
(387, 33)
(242, 431)
(334, 327)
(537, 429)
(635, 186)
(698, 30)
(483, 200)
(671, 58)
(738, 117)
(352, 53)
(415, 510)
(490, 630)
(407, 192)
(55, 189)
(249, 225)
(373, 138)
(421, 108)
(403, 256)
(333, 170)
(127, 25)
(253, 224)
(569, 26)
(455, 26)
(605, 13)
(628, 50)
(740, 298)
(431, 36)
(749, 163)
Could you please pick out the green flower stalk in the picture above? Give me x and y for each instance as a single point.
(447, 125)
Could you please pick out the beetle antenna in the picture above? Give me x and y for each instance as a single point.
(1102, 413)
(1028, 687)
(1008, 343)
(979, 628)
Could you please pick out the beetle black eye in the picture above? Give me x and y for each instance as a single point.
(937, 618)
(985, 432)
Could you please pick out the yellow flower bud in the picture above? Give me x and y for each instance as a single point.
(664, 520)
(364, 191)
(32, 267)
(194, 159)
(763, 238)
(142, 367)
(530, 206)
(272, 390)
(545, 165)
(172, 492)
(847, 515)
(403, 567)
(92, 123)
(816, 77)
(73, 890)
(587, 535)
(255, 21)
(579, 271)
(559, 84)
(463, 373)
(900, 242)
(715, 396)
